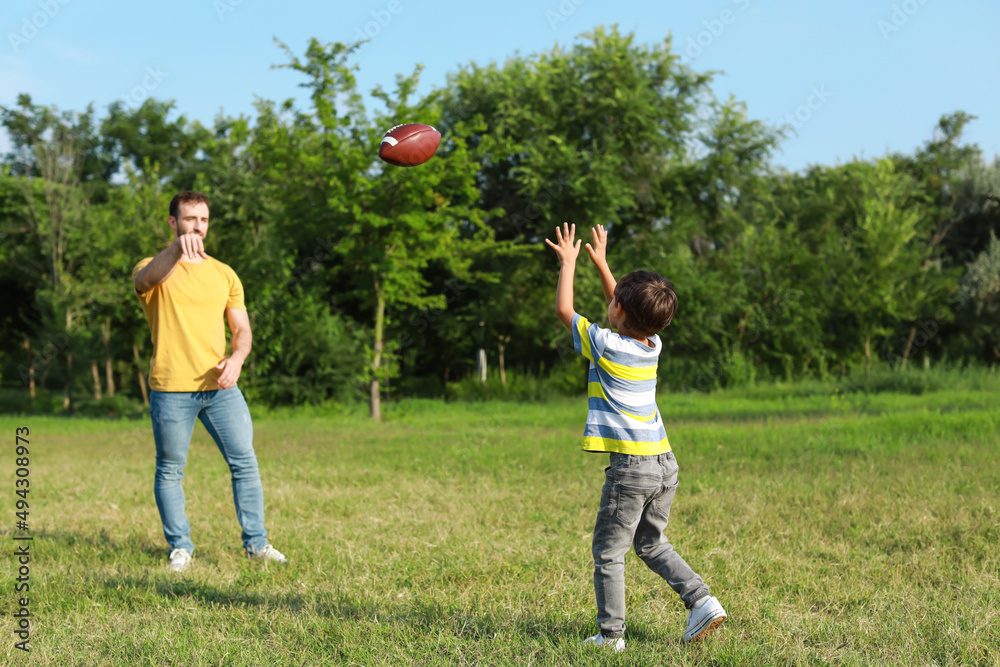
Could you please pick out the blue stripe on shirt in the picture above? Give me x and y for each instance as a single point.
(627, 434)
(609, 381)
(601, 405)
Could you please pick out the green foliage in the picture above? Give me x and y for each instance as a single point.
(315, 355)
(882, 272)
(392, 225)
(982, 281)
(145, 137)
(522, 386)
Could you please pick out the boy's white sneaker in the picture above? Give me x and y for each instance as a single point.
(268, 553)
(703, 619)
(617, 644)
(180, 560)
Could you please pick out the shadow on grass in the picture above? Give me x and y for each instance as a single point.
(419, 615)
(139, 567)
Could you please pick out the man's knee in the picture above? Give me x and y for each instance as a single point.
(244, 465)
(170, 470)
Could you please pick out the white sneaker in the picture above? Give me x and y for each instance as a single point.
(180, 560)
(704, 619)
(617, 644)
(268, 553)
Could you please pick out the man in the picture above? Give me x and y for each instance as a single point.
(184, 294)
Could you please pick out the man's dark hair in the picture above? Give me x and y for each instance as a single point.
(649, 301)
(186, 197)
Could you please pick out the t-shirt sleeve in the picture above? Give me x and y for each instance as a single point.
(589, 340)
(147, 295)
(236, 299)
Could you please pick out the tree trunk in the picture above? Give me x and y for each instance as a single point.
(503, 345)
(67, 398)
(481, 366)
(376, 398)
(142, 376)
(108, 370)
(909, 346)
(31, 370)
(97, 380)
(868, 354)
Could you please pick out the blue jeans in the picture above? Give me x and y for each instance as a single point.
(226, 417)
(635, 506)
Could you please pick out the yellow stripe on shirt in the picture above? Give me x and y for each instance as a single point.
(599, 444)
(632, 373)
(581, 327)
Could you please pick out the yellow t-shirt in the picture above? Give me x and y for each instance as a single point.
(186, 315)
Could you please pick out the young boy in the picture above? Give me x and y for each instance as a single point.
(623, 420)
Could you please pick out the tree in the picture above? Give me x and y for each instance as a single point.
(390, 225)
(882, 273)
(30, 125)
(148, 139)
(56, 216)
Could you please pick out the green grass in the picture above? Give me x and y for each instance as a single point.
(845, 531)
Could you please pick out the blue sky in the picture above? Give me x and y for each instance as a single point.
(858, 78)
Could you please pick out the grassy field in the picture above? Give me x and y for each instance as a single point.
(857, 530)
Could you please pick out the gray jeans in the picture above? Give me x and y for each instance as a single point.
(635, 506)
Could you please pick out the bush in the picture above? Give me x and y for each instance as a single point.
(18, 402)
(313, 356)
(918, 380)
(121, 406)
(563, 380)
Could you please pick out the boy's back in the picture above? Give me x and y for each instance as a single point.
(621, 387)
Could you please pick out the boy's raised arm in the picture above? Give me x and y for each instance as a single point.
(598, 254)
(567, 252)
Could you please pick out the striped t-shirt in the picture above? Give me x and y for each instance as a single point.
(623, 416)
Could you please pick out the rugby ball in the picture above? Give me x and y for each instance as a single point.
(409, 144)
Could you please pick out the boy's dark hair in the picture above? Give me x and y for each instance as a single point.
(186, 197)
(649, 301)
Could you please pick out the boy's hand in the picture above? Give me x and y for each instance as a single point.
(599, 251)
(565, 248)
